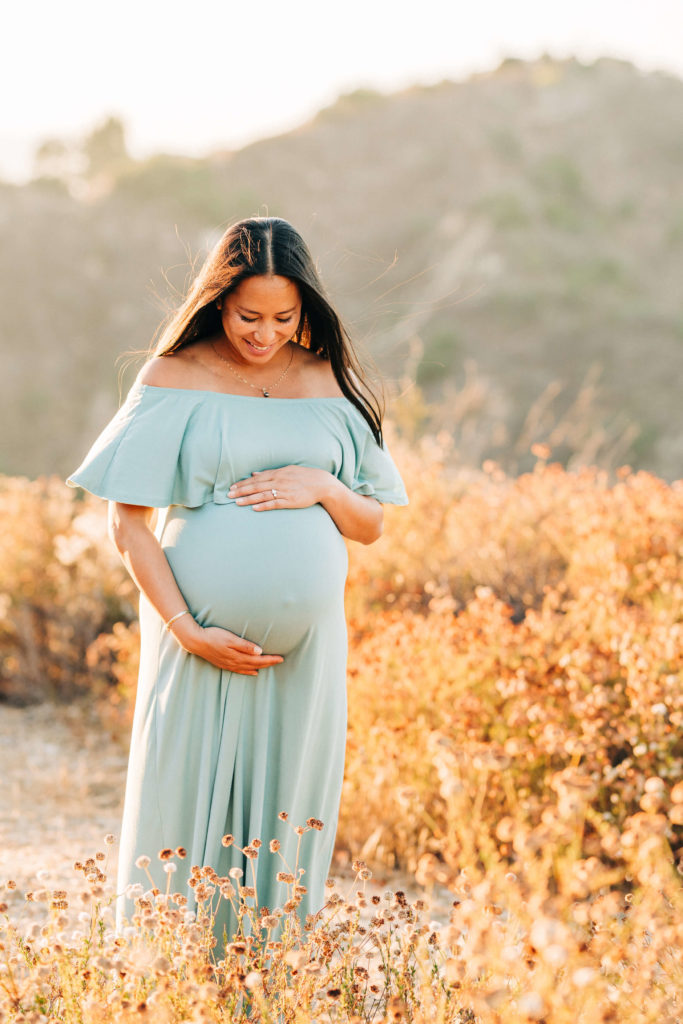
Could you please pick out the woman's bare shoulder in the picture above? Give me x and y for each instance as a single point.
(320, 378)
(168, 371)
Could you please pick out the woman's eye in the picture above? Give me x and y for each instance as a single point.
(252, 320)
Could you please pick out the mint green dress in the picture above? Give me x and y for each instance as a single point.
(214, 752)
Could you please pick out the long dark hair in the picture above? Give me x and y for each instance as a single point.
(270, 245)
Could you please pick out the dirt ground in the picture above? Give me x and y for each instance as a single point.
(61, 791)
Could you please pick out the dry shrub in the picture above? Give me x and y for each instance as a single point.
(498, 708)
(61, 585)
(515, 713)
(516, 948)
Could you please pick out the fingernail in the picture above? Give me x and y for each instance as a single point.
(258, 650)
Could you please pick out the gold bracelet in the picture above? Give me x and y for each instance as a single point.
(185, 611)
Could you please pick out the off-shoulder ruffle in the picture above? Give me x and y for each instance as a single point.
(170, 446)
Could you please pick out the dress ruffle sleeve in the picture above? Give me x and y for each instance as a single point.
(375, 472)
(139, 457)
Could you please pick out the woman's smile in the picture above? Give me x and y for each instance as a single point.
(259, 349)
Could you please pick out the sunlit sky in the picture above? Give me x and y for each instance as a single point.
(192, 77)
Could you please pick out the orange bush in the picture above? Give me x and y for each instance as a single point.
(61, 585)
(502, 632)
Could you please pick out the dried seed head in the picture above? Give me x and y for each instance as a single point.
(315, 823)
(285, 876)
(274, 845)
(165, 854)
(110, 839)
(181, 852)
(142, 862)
(256, 843)
(251, 852)
(235, 872)
(283, 815)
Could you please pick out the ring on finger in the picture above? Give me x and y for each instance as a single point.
(273, 492)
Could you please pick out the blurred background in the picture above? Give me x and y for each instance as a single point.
(494, 199)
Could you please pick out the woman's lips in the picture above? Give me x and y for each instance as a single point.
(257, 349)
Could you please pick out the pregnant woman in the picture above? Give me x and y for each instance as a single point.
(252, 429)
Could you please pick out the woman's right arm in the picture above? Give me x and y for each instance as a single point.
(131, 530)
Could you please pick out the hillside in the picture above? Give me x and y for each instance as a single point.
(516, 232)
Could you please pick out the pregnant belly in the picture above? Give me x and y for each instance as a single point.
(267, 576)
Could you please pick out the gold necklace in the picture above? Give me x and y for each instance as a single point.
(257, 387)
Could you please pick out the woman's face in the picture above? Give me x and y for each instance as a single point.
(260, 316)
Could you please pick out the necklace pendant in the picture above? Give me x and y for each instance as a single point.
(265, 393)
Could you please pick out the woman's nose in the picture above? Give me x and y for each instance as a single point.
(265, 333)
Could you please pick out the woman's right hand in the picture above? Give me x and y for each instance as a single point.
(222, 648)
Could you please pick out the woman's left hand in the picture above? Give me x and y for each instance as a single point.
(288, 487)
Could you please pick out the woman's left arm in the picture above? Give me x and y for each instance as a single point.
(356, 516)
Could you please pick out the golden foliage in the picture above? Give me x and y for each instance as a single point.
(515, 733)
(513, 950)
(61, 585)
